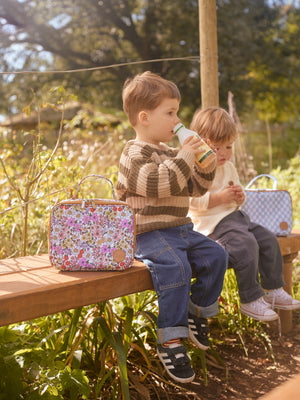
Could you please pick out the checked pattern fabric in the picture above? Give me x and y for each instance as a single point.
(271, 208)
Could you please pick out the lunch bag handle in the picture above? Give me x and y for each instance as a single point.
(95, 176)
(260, 176)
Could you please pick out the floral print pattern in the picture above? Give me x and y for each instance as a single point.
(86, 235)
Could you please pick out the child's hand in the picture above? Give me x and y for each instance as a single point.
(227, 195)
(232, 193)
(193, 145)
(239, 195)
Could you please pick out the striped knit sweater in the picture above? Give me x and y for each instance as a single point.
(157, 180)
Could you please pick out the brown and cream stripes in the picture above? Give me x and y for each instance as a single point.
(157, 182)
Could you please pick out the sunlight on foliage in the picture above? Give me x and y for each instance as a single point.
(106, 350)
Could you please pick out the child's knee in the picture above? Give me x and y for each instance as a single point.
(221, 254)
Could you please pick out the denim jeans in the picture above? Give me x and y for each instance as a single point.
(171, 255)
(254, 254)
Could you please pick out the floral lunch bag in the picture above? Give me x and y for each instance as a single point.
(92, 234)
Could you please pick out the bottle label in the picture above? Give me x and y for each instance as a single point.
(184, 133)
(205, 155)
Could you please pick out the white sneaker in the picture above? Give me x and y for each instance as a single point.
(259, 309)
(279, 298)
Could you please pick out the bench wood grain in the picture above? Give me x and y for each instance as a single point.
(290, 247)
(30, 287)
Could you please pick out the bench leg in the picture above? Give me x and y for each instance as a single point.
(286, 316)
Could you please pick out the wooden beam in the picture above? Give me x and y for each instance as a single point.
(208, 53)
(287, 390)
(31, 288)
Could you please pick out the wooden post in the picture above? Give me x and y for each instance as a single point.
(208, 53)
(286, 316)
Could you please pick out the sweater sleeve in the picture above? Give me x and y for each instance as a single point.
(199, 203)
(201, 179)
(155, 172)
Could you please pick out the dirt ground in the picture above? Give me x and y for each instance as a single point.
(243, 377)
(248, 378)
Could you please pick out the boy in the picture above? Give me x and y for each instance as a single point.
(253, 250)
(157, 181)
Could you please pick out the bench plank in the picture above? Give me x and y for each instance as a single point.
(289, 244)
(287, 390)
(20, 264)
(35, 289)
(30, 287)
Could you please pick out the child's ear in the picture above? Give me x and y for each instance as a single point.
(143, 117)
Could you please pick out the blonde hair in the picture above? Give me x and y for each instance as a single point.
(215, 124)
(145, 92)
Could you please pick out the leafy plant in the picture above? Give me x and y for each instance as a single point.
(288, 179)
(26, 187)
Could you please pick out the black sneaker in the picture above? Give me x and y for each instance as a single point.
(176, 362)
(199, 331)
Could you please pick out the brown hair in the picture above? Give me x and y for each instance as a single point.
(145, 92)
(215, 124)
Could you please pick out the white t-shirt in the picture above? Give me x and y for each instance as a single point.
(205, 219)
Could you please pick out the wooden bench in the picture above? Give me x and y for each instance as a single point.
(30, 287)
(288, 390)
(290, 247)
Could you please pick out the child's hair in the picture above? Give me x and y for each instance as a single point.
(215, 124)
(145, 92)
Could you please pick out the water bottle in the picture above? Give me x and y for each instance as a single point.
(203, 159)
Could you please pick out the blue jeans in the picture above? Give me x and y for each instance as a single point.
(171, 256)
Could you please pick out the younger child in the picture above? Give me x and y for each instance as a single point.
(157, 180)
(253, 250)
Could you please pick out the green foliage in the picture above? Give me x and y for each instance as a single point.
(25, 188)
(288, 179)
(47, 358)
(10, 369)
(258, 49)
(94, 34)
(284, 141)
(32, 369)
(275, 83)
(242, 26)
(31, 172)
